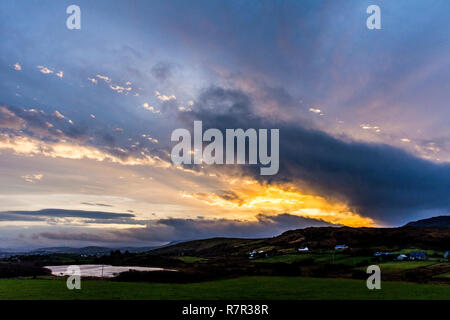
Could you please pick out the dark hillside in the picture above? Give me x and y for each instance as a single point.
(318, 238)
(437, 222)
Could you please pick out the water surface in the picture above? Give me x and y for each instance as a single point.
(97, 270)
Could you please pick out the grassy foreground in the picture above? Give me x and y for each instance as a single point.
(241, 288)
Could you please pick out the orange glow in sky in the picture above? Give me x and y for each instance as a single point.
(250, 198)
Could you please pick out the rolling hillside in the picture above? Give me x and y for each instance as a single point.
(318, 238)
(435, 222)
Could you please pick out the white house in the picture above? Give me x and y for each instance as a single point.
(402, 257)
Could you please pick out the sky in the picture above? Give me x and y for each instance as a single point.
(86, 118)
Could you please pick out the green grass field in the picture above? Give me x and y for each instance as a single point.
(289, 288)
(428, 252)
(285, 258)
(398, 266)
(444, 275)
(190, 259)
(338, 258)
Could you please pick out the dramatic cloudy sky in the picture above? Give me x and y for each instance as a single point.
(86, 117)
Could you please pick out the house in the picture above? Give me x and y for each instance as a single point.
(340, 247)
(305, 249)
(447, 255)
(418, 255)
(379, 254)
(257, 254)
(402, 257)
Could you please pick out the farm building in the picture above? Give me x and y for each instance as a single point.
(419, 255)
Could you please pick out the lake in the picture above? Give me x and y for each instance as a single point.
(95, 270)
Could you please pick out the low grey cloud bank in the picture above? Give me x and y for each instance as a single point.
(188, 229)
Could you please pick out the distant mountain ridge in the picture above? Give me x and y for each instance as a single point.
(434, 222)
(90, 250)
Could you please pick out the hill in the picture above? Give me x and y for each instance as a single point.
(436, 222)
(91, 250)
(317, 238)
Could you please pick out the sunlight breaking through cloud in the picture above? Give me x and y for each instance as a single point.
(250, 198)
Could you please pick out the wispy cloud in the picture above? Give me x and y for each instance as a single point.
(163, 97)
(120, 89)
(314, 110)
(184, 109)
(146, 136)
(148, 107)
(30, 146)
(59, 115)
(32, 178)
(97, 204)
(104, 78)
(370, 127)
(44, 70)
(47, 135)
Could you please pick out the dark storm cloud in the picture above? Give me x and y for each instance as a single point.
(188, 229)
(379, 181)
